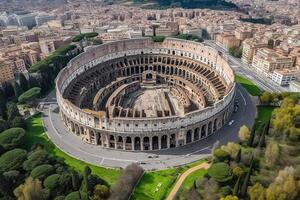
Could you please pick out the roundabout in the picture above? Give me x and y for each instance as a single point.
(159, 104)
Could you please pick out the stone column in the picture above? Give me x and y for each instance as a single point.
(192, 135)
(124, 143)
(168, 141)
(150, 143)
(142, 144)
(206, 131)
(132, 143)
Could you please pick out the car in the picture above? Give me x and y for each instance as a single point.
(230, 123)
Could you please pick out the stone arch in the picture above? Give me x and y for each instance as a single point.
(119, 142)
(172, 140)
(137, 143)
(112, 141)
(196, 134)
(203, 131)
(99, 141)
(164, 142)
(128, 143)
(215, 126)
(77, 129)
(146, 143)
(189, 136)
(72, 127)
(154, 142)
(210, 128)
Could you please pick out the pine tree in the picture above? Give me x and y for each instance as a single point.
(237, 187)
(22, 81)
(17, 89)
(252, 135)
(262, 140)
(75, 180)
(247, 179)
(238, 156)
(3, 101)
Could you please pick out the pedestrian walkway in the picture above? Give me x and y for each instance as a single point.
(183, 177)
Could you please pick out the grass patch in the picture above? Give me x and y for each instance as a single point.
(189, 181)
(264, 114)
(35, 134)
(248, 85)
(146, 189)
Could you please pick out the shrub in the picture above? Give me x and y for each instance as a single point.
(101, 192)
(52, 181)
(29, 95)
(36, 158)
(220, 155)
(12, 160)
(73, 196)
(12, 138)
(42, 171)
(220, 172)
(158, 38)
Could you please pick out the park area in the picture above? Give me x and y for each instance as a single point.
(36, 135)
(248, 85)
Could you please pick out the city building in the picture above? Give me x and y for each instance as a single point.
(6, 72)
(227, 40)
(267, 60)
(283, 77)
(250, 46)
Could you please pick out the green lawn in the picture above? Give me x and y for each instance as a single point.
(36, 135)
(263, 116)
(248, 85)
(146, 189)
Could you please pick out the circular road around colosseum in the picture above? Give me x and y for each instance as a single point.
(75, 147)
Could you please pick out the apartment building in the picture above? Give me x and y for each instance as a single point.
(267, 60)
(283, 77)
(250, 46)
(227, 40)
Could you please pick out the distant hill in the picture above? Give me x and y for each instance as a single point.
(162, 4)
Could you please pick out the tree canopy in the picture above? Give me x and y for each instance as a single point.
(29, 95)
(12, 138)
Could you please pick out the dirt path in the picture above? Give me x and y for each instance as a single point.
(183, 177)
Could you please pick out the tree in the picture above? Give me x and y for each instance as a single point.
(124, 186)
(12, 138)
(52, 182)
(100, 192)
(266, 98)
(247, 179)
(18, 122)
(3, 125)
(252, 136)
(231, 148)
(244, 133)
(220, 155)
(237, 171)
(257, 192)
(30, 95)
(12, 160)
(12, 111)
(237, 186)
(42, 171)
(73, 196)
(75, 180)
(271, 153)
(31, 190)
(230, 197)
(36, 158)
(220, 172)
(238, 156)
(3, 100)
(236, 52)
(22, 81)
(17, 89)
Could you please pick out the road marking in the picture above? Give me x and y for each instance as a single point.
(243, 97)
(198, 150)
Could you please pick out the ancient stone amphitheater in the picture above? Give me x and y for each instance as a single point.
(143, 95)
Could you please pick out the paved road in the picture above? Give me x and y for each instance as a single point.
(178, 184)
(93, 154)
(246, 70)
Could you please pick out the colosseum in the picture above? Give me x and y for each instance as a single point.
(140, 95)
